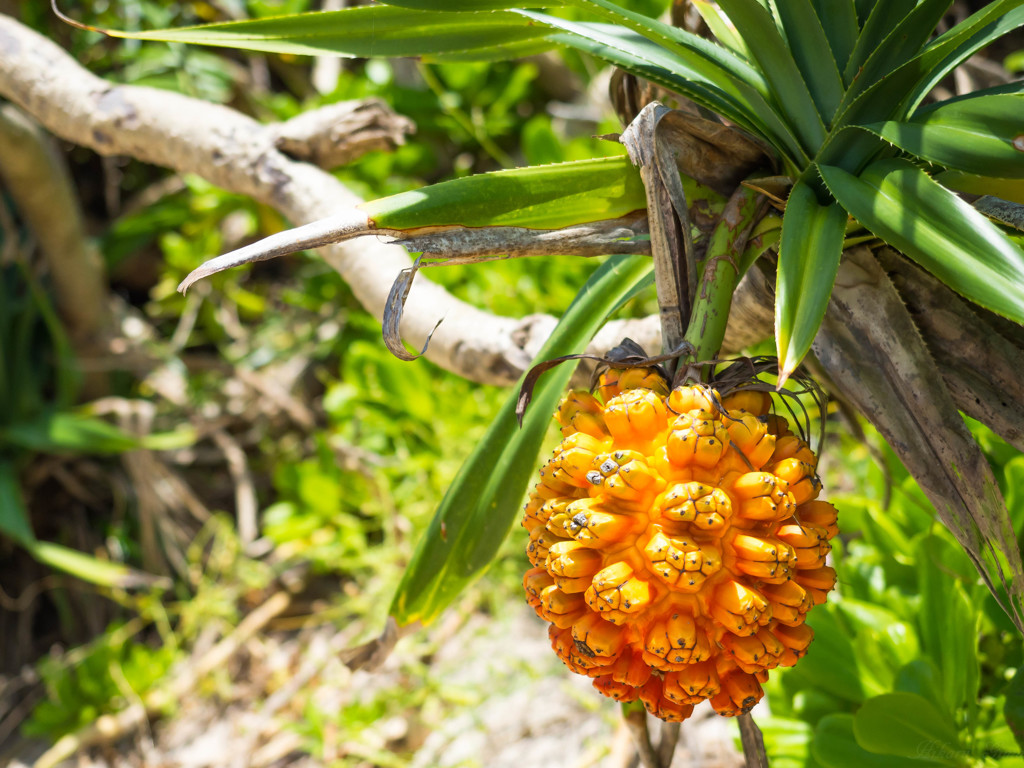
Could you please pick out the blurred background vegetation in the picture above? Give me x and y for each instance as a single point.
(299, 451)
(255, 438)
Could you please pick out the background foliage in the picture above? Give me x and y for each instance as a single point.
(347, 466)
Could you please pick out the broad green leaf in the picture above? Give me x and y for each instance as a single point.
(775, 60)
(477, 512)
(923, 678)
(982, 135)
(835, 746)
(839, 20)
(541, 197)
(831, 662)
(1007, 189)
(904, 206)
(14, 520)
(812, 704)
(1013, 708)
(787, 742)
(949, 625)
(810, 46)
(876, 658)
(882, 643)
(365, 32)
(895, 33)
(908, 726)
(999, 744)
(812, 242)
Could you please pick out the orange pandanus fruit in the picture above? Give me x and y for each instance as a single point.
(677, 543)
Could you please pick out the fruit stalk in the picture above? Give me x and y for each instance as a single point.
(719, 276)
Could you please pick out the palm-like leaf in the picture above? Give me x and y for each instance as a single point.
(812, 242)
(809, 115)
(982, 135)
(904, 206)
(834, 90)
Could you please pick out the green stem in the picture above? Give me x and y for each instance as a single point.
(719, 275)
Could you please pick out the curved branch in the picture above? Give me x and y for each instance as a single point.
(37, 178)
(335, 134)
(38, 181)
(239, 154)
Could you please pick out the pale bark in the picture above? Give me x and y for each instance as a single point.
(876, 356)
(239, 154)
(38, 182)
(336, 134)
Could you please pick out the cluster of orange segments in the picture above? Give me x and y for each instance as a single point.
(677, 543)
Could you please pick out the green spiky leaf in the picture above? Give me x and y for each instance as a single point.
(812, 242)
(481, 505)
(775, 59)
(367, 32)
(982, 135)
(811, 47)
(908, 726)
(908, 209)
(541, 197)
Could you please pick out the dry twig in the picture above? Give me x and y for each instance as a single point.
(109, 728)
(753, 742)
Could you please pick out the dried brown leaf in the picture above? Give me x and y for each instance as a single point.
(981, 367)
(393, 314)
(668, 219)
(716, 155)
(876, 356)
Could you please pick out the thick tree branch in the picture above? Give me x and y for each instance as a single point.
(235, 152)
(336, 134)
(38, 181)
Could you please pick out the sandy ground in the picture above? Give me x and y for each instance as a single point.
(490, 693)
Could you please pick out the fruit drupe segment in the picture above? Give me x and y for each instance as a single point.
(677, 543)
